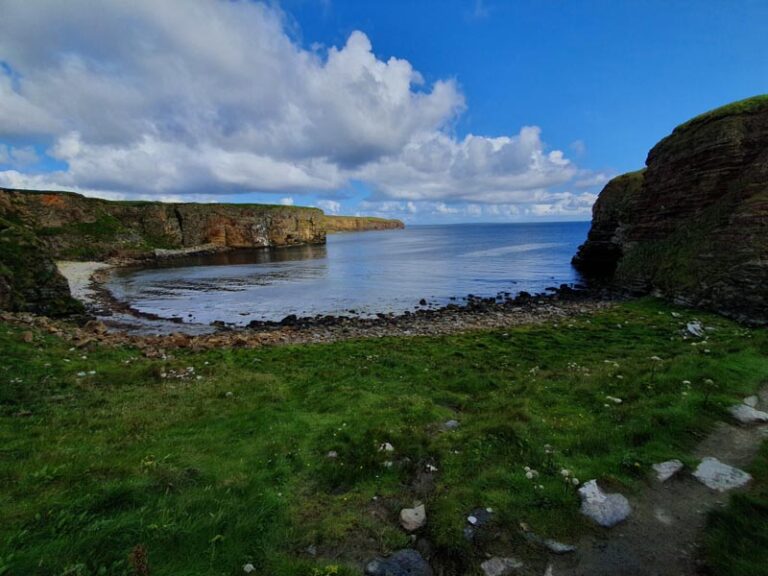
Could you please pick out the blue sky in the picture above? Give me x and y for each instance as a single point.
(448, 111)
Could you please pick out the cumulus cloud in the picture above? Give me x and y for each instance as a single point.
(329, 206)
(144, 97)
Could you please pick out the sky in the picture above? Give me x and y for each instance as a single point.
(430, 111)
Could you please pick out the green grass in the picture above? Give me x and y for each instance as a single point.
(92, 466)
(737, 537)
(746, 106)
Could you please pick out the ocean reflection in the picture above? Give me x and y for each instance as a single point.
(370, 272)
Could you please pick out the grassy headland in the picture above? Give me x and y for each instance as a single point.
(206, 461)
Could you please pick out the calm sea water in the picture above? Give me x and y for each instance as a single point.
(368, 272)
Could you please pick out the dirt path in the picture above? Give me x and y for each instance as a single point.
(660, 538)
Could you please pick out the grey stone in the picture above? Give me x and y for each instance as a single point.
(413, 518)
(498, 566)
(716, 475)
(695, 329)
(665, 470)
(604, 509)
(549, 544)
(558, 547)
(747, 415)
(450, 425)
(751, 401)
(402, 563)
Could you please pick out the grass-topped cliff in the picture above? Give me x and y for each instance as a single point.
(359, 223)
(694, 224)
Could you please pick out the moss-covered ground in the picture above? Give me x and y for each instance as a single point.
(206, 461)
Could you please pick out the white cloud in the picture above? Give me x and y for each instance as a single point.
(144, 98)
(18, 156)
(287, 201)
(329, 206)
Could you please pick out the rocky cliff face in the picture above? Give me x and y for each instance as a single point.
(694, 224)
(74, 226)
(29, 279)
(359, 224)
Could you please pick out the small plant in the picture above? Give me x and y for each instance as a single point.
(139, 561)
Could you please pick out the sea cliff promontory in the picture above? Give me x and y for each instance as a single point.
(693, 225)
(39, 227)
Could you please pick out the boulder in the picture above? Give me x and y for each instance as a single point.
(748, 415)
(498, 566)
(402, 563)
(665, 470)
(607, 510)
(411, 519)
(721, 477)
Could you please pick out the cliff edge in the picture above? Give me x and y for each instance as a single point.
(359, 224)
(692, 226)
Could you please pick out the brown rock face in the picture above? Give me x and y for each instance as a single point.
(360, 224)
(77, 227)
(694, 224)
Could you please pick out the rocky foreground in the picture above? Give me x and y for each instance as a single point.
(693, 225)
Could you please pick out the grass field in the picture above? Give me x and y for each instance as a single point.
(206, 461)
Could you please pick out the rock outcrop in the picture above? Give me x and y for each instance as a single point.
(77, 227)
(692, 226)
(29, 279)
(359, 224)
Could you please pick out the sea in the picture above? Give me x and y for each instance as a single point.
(357, 273)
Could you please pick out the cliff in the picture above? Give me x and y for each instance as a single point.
(76, 227)
(693, 226)
(359, 224)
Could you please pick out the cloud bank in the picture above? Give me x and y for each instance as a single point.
(214, 97)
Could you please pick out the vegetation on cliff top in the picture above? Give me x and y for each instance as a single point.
(746, 106)
(211, 460)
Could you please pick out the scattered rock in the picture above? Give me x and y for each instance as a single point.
(332, 454)
(695, 329)
(248, 568)
(450, 425)
(665, 470)
(27, 337)
(386, 447)
(716, 475)
(604, 509)
(402, 563)
(751, 401)
(558, 547)
(498, 566)
(548, 543)
(411, 519)
(747, 415)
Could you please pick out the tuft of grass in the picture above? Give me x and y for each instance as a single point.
(736, 540)
(207, 460)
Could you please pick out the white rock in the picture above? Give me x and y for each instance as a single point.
(665, 470)
(248, 568)
(558, 547)
(604, 509)
(721, 477)
(695, 329)
(747, 415)
(386, 447)
(751, 401)
(498, 566)
(413, 518)
(451, 425)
